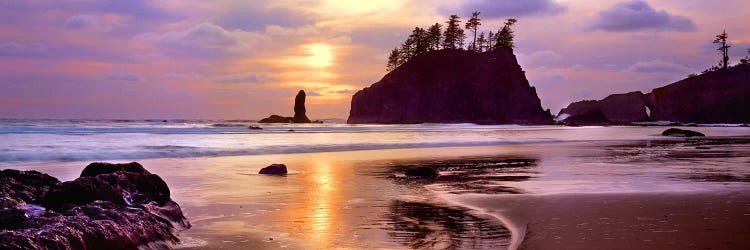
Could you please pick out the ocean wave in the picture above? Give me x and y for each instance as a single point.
(228, 125)
(176, 151)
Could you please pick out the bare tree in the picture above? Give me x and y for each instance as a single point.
(490, 41)
(721, 41)
(473, 24)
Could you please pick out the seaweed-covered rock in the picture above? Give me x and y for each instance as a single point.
(421, 172)
(98, 168)
(277, 119)
(274, 169)
(111, 206)
(681, 133)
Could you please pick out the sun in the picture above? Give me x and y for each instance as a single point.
(319, 55)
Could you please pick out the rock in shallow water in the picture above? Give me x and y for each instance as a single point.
(112, 206)
(422, 172)
(274, 169)
(681, 133)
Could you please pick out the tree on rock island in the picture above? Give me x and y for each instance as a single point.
(504, 37)
(473, 24)
(721, 41)
(453, 37)
(435, 38)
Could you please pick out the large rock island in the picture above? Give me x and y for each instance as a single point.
(452, 86)
(721, 96)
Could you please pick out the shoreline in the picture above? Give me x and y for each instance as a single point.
(230, 203)
(659, 220)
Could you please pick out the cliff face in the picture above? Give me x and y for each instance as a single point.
(452, 86)
(715, 97)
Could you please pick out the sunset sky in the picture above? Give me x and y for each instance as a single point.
(247, 59)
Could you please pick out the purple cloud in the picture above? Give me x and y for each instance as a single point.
(253, 78)
(512, 8)
(247, 15)
(206, 40)
(124, 77)
(657, 66)
(639, 15)
(85, 23)
(21, 49)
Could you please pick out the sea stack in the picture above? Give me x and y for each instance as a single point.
(299, 112)
(452, 86)
(299, 108)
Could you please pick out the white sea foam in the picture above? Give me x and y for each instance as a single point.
(91, 140)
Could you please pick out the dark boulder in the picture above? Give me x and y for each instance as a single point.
(20, 187)
(112, 206)
(299, 108)
(274, 169)
(681, 133)
(452, 86)
(12, 219)
(276, 119)
(422, 172)
(81, 191)
(98, 168)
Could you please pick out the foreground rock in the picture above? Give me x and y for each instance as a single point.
(422, 172)
(111, 206)
(452, 86)
(681, 133)
(715, 97)
(274, 169)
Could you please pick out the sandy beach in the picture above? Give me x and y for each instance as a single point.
(660, 194)
(624, 221)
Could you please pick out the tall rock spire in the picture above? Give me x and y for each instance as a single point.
(299, 108)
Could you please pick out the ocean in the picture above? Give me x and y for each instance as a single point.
(100, 140)
(347, 189)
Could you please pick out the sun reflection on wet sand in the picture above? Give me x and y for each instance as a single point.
(322, 188)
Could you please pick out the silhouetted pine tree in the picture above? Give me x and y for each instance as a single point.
(481, 43)
(721, 40)
(491, 41)
(393, 61)
(420, 41)
(453, 35)
(473, 24)
(504, 37)
(435, 36)
(407, 51)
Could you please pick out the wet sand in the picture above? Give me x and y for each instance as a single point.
(623, 221)
(585, 195)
